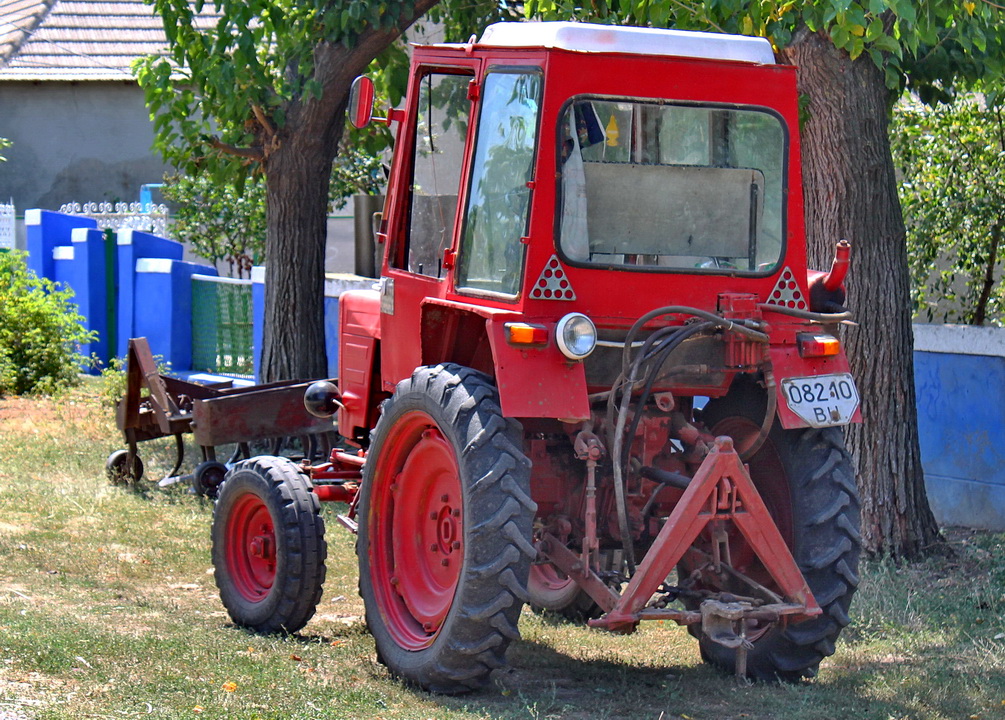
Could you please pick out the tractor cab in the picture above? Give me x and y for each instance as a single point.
(573, 177)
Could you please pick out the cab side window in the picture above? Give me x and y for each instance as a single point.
(440, 132)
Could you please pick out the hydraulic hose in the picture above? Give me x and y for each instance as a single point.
(628, 379)
(730, 325)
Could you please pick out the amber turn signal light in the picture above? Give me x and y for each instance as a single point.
(526, 334)
(812, 345)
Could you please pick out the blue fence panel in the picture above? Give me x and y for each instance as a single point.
(88, 276)
(960, 379)
(134, 245)
(164, 307)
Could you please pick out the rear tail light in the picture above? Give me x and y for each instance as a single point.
(814, 345)
(526, 334)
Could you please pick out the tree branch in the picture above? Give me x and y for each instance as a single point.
(980, 312)
(250, 153)
(263, 120)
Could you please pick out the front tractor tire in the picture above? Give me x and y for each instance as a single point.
(268, 546)
(445, 523)
(805, 478)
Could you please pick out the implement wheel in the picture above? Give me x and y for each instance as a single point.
(444, 530)
(118, 473)
(805, 478)
(268, 546)
(208, 477)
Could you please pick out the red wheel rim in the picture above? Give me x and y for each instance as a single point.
(251, 548)
(547, 585)
(416, 525)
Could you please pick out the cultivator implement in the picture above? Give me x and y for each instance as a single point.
(157, 405)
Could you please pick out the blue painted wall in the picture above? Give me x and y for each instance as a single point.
(961, 418)
(258, 317)
(163, 309)
(331, 334)
(45, 230)
(89, 274)
(61, 265)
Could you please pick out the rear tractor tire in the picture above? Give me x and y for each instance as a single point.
(445, 523)
(268, 546)
(805, 478)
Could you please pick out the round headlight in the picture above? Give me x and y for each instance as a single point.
(576, 336)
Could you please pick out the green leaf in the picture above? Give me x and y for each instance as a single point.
(840, 36)
(875, 30)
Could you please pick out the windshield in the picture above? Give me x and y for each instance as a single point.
(660, 186)
(492, 255)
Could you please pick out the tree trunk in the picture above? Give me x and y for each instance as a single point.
(297, 177)
(850, 192)
(297, 165)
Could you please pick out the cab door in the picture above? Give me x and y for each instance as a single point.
(423, 217)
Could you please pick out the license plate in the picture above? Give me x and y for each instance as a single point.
(823, 400)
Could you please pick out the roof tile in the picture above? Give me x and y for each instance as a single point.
(77, 39)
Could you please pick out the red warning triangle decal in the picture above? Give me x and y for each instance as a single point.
(553, 284)
(786, 292)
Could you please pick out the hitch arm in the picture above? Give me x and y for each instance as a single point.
(720, 490)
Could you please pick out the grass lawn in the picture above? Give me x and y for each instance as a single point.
(108, 610)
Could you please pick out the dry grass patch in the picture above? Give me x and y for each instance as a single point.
(108, 609)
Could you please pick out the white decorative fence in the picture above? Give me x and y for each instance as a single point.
(121, 215)
(7, 226)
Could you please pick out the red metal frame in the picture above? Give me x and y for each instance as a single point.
(721, 491)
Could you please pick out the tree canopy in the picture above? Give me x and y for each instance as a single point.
(925, 45)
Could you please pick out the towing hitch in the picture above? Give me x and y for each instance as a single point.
(720, 493)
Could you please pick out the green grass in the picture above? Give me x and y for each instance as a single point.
(108, 610)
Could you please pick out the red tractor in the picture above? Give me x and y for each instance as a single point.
(595, 375)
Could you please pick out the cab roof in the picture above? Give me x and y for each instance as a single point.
(590, 38)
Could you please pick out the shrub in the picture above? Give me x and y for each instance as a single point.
(40, 331)
(950, 158)
(220, 221)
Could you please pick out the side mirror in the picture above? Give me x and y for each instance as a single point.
(361, 96)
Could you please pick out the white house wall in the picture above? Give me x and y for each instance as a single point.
(75, 142)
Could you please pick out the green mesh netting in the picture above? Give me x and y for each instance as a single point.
(222, 327)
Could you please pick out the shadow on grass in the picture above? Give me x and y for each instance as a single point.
(543, 682)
